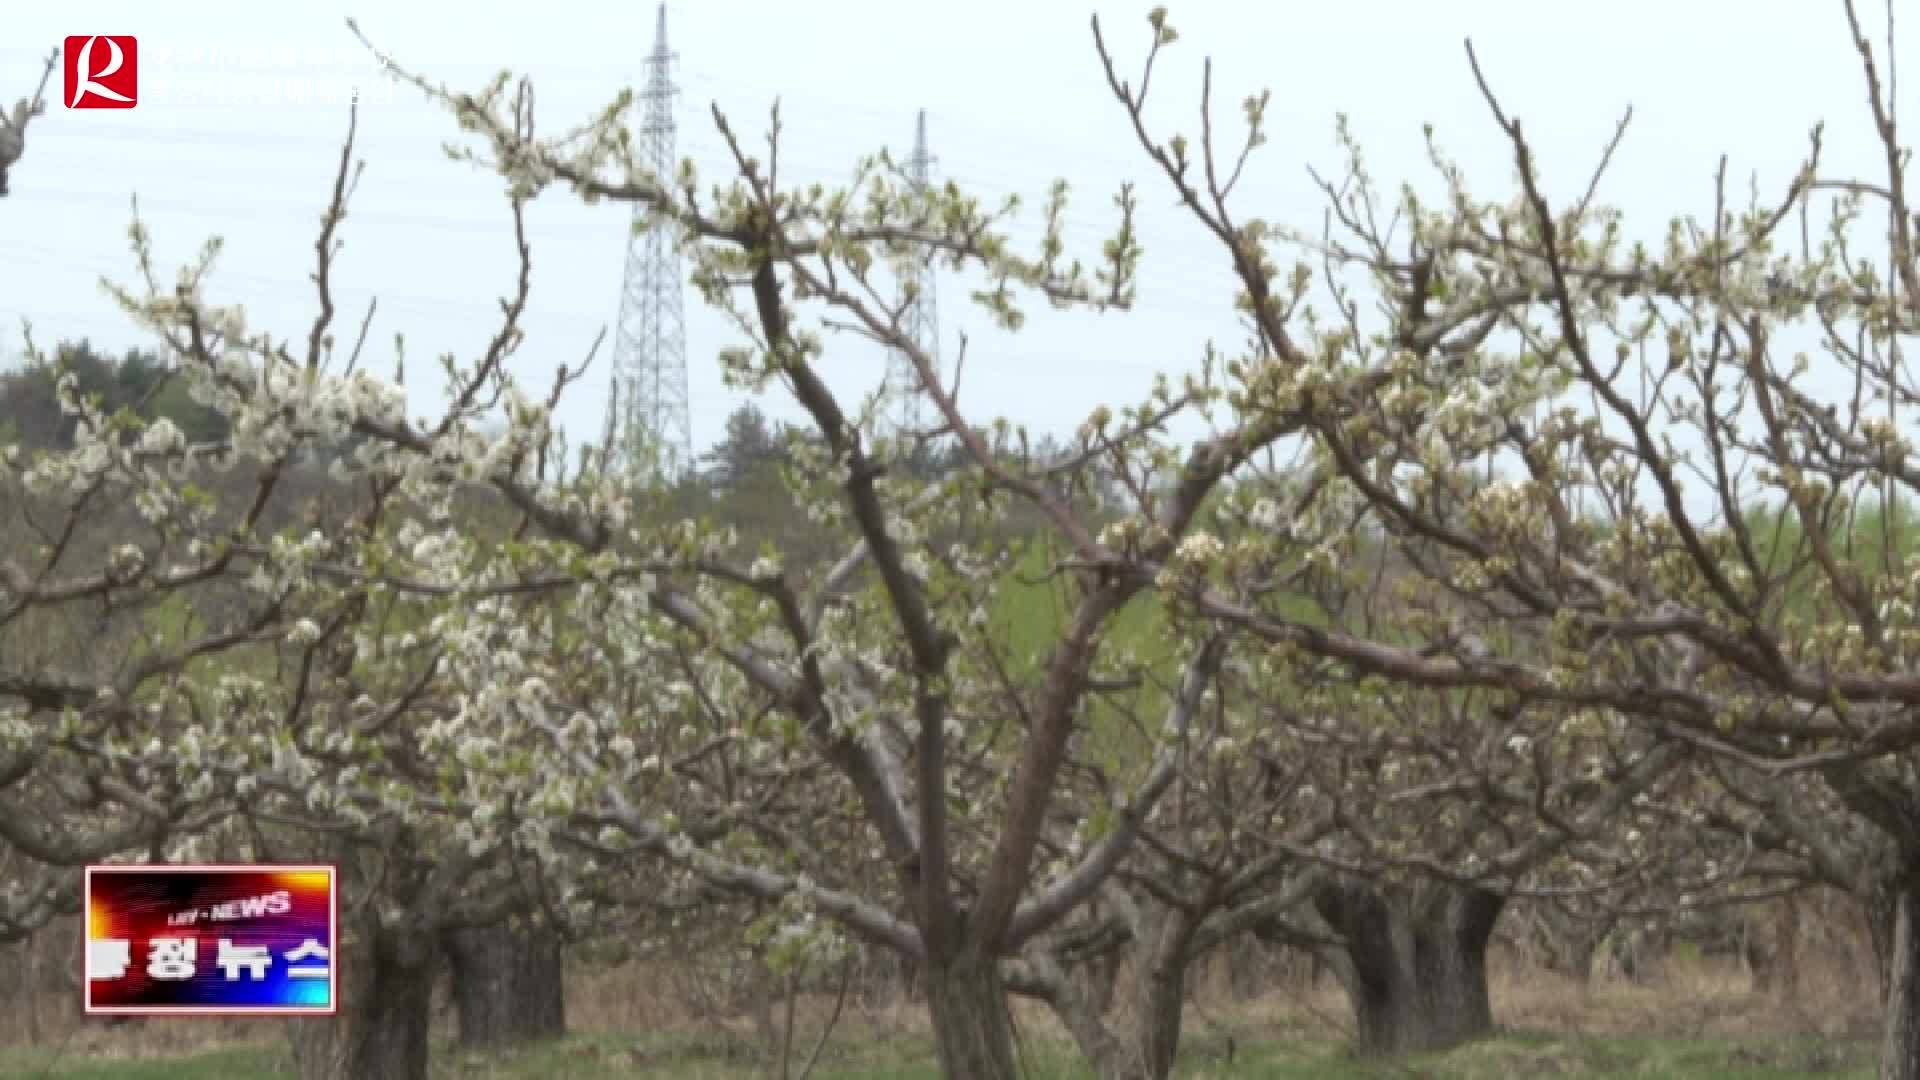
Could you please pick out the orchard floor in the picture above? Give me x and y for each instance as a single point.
(1698, 1021)
(606, 1055)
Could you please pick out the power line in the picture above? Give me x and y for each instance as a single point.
(1171, 285)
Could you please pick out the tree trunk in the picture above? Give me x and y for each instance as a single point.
(1898, 909)
(1883, 909)
(1159, 991)
(1149, 1037)
(1573, 956)
(1075, 1001)
(889, 978)
(1568, 945)
(385, 1013)
(507, 984)
(1103, 977)
(29, 989)
(1247, 965)
(1159, 1007)
(971, 1025)
(1414, 964)
(1769, 944)
(1640, 953)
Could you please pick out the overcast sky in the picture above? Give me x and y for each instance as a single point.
(243, 106)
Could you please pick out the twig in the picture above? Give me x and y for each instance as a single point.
(833, 1019)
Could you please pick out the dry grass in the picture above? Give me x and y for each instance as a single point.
(704, 1020)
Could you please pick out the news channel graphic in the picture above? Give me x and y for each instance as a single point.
(211, 940)
(122, 71)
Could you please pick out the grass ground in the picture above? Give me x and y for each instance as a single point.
(596, 1055)
(1698, 1022)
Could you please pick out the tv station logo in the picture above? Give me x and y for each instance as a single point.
(211, 940)
(102, 71)
(111, 71)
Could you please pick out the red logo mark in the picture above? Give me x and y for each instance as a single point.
(102, 71)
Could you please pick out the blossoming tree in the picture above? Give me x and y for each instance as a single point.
(586, 689)
(1645, 403)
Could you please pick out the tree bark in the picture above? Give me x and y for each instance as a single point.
(1159, 991)
(507, 984)
(381, 1031)
(1154, 987)
(1246, 965)
(1640, 953)
(972, 1028)
(1897, 912)
(1159, 1008)
(1074, 999)
(1103, 978)
(1414, 964)
(1568, 945)
(1883, 908)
